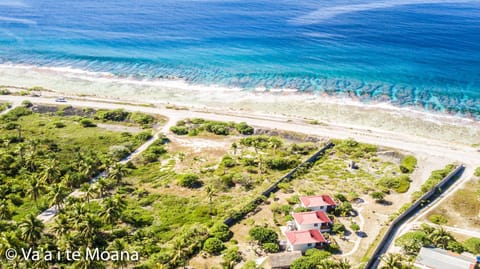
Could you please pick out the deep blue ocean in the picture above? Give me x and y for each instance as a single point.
(417, 53)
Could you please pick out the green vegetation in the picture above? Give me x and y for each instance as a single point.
(352, 167)
(408, 164)
(477, 172)
(472, 245)
(438, 219)
(263, 235)
(189, 181)
(213, 246)
(4, 106)
(196, 126)
(411, 242)
(315, 258)
(433, 180)
(120, 115)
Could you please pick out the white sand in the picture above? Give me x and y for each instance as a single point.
(340, 112)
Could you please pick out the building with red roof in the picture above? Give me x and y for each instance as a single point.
(303, 240)
(323, 203)
(311, 220)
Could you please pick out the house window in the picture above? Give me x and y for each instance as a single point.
(309, 244)
(315, 225)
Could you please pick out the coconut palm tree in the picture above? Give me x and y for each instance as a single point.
(440, 237)
(35, 187)
(89, 192)
(5, 210)
(58, 193)
(111, 209)
(31, 229)
(119, 245)
(392, 261)
(210, 194)
(117, 172)
(50, 171)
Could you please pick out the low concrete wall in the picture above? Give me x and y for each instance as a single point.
(418, 205)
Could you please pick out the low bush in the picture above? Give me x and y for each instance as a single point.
(472, 245)
(408, 164)
(271, 247)
(87, 123)
(213, 246)
(189, 181)
(438, 219)
(263, 235)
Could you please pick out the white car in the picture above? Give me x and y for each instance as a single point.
(61, 100)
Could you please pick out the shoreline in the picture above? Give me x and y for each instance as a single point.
(341, 111)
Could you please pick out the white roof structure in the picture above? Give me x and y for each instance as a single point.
(436, 258)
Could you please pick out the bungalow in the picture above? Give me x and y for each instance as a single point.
(318, 203)
(312, 220)
(436, 258)
(303, 240)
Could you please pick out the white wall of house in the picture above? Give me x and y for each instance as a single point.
(302, 227)
(300, 247)
(316, 208)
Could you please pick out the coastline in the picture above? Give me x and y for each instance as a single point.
(340, 111)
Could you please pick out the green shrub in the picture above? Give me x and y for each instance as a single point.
(5, 92)
(244, 128)
(221, 231)
(87, 123)
(189, 181)
(400, 184)
(59, 124)
(436, 177)
(278, 163)
(228, 161)
(231, 256)
(141, 118)
(271, 247)
(249, 265)
(263, 235)
(143, 136)
(137, 217)
(112, 115)
(179, 130)
(408, 164)
(477, 172)
(472, 245)
(355, 227)
(438, 219)
(213, 246)
(338, 228)
(27, 103)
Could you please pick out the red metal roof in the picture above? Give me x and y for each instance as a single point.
(305, 237)
(311, 217)
(319, 200)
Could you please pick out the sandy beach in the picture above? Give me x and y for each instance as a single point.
(338, 111)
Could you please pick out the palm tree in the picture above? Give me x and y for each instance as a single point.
(117, 172)
(112, 208)
(119, 245)
(343, 264)
(440, 237)
(5, 210)
(392, 261)
(210, 193)
(103, 186)
(35, 187)
(234, 147)
(50, 171)
(68, 180)
(89, 192)
(31, 229)
(61, 225)
(274, 143)
(58, 194)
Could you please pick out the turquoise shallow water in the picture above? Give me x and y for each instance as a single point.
(424, 54)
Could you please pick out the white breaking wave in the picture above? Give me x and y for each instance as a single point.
(325, 13)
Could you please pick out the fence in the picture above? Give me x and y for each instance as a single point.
(419, 204)
(236, 216)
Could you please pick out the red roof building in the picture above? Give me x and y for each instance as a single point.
(311, 217)
(303, 240)
(319, 202)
